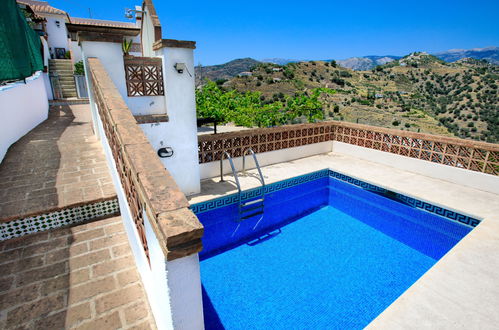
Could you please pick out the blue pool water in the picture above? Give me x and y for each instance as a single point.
(327, 254)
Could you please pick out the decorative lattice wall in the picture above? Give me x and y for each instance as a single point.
(128, 182)
(211, 147)
(466, 154)
(144, 76)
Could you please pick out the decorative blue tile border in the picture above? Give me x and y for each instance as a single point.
(412, 202)
(255, 192)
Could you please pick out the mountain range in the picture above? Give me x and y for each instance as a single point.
(233, 68)
(491, 54)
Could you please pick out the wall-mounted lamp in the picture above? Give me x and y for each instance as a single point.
(58, 23)
(129, 12)
(180, 67)
(165, 152)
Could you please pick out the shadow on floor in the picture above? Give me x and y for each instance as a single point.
(53, 166)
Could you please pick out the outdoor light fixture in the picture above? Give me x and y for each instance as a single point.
(165, 152)
(58, 23)
(129, 12)
(180, 67)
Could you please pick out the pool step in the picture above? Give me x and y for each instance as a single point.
(260, 200)
(251, 207)
(251, 215)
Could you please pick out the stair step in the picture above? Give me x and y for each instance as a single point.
(60, 67)
(252, 202)
(251, 207)
(251, 215)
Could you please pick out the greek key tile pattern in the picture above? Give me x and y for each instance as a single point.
(56, 219)
(248, 194)
(412, 202)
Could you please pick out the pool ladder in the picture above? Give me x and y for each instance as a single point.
(250, 207)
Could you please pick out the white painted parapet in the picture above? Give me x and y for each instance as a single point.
(163, 233)
(22, 107)
(473, 179)
(212, 169)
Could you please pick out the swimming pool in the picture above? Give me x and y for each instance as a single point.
(330, 252)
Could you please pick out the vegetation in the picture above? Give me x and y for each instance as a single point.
(419, 92)
(253, 109)
(126, 46)
(78, 70)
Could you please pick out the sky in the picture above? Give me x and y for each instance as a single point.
(313, 30)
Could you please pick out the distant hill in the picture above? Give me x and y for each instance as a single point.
(224, 71)
(366, 62)
(418, 92)
(491, 54)
(280, 61)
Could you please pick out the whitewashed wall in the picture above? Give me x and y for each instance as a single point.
(111, 56)
(48, 86)
(75, 49)
(57, 36)
(22, 108)
(460, 176)
(212, 169)
(147, 34)
(180, 132)
(46, 79)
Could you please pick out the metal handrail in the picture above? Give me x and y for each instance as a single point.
(233, 169)
(235, 177)
(256, 163)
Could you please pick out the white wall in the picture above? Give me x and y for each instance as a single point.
(48, 86)
(75, 49)
(46, 52)
(212, 169)
(147, 34)
(460, 176)
(180, 132)
(57, 36)
(22, 108)
(184, 283)
(111, 56)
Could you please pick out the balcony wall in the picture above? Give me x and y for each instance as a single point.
(466, 162)
(23, 105)
(164, 234)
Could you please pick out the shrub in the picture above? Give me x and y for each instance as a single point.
(78, 70)
(396, 123)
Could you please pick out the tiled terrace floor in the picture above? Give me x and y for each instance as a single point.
(58, 164)
(82, 277)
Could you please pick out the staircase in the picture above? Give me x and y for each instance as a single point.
(63, 69)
